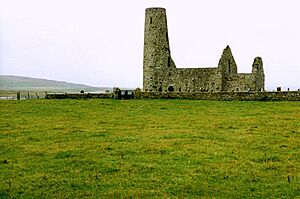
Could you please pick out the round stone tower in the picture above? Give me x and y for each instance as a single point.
(157, 56)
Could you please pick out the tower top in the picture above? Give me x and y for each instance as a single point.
(155, 8)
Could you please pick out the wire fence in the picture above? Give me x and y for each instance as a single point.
(21, 95)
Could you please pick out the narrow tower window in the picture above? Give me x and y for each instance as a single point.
(229, 66)
(167, 37)
(150, 20)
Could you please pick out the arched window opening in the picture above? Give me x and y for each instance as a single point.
(171, 89)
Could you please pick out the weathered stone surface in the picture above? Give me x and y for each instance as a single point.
(138, 94)
(226, 96)
(227, 63)
(258, 73)
(161, 75)
(78, 95)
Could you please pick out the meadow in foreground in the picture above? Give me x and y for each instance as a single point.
(149, 148)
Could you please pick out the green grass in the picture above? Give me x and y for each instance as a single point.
(149, 148)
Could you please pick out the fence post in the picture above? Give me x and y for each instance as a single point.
(18, 95)
(28, 95)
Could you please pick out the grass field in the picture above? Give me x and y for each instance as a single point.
(149, 148)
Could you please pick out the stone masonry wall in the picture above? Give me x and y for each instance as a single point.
(220, 96)
(225, 96)
(78, 95)
(185, 80)
(239, 82)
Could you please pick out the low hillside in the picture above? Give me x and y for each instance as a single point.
(12, 83)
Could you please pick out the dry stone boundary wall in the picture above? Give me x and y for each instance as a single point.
(225, 96)
(215, 96)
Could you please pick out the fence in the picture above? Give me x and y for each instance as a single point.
(20, 95)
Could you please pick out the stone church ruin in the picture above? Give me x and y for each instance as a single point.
(163, 80)
(160, 73)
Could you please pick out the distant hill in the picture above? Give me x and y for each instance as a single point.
(11, 83)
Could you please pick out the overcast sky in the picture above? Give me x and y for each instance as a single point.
(100, 43)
